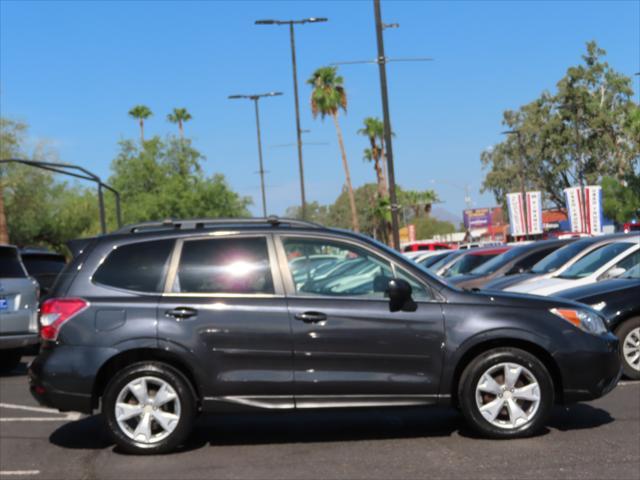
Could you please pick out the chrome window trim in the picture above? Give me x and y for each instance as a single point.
(287, 279)
(278, 289)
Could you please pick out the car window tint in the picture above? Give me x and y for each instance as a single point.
(224, 265)
(630, 261)
(559, 257)
(594, 260)
(10, 266)
(529, 261)
(418, 291)
(350, 272)
(137, 266)
(39, 264)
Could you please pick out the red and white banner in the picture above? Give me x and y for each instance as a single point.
(593, 208)
(534, 212)
(516, 214)
(575, 208)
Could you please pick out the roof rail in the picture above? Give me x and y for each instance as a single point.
(207, 223)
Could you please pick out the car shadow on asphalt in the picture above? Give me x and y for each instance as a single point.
(20, 370)
(320, 426)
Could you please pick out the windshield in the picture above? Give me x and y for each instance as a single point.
(498, 262)
(467, 263)
(429, 261)
(444, 260)
(633, 272)
(558, 258)
(593, 261)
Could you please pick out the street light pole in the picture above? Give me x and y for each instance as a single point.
(255, 98)
(291, 23)
(523, 188)
(387, 126)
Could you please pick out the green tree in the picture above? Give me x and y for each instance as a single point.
(585, 130)
(328, 97)
(164, 179)
(11, 134)
(179, 116)
(420, 202)
(621, 200)
(427, 227)
(373, 129)
(140, 113)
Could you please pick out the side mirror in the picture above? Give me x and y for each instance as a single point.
(615, 272)
(399, 292)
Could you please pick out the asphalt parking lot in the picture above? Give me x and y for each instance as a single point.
(599, 439)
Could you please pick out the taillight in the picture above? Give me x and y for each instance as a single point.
(55, 312)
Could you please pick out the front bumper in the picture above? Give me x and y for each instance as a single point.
(10, 341)
(592, 369)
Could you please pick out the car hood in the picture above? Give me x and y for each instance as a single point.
(503, 282)
(544, 286)
(600, 288)
(518, 300)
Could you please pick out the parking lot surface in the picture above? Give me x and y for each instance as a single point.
(600, 439)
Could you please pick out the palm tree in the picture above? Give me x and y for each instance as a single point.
(374, 131)
(419, 201)
(141, 113)
(179, 116)
(327, 98)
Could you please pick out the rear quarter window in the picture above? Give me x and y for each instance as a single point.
(141, 266)
(10, 265)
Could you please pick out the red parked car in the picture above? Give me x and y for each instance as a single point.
(421, 246)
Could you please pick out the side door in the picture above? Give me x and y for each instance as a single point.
(224, 308)
(349, 349)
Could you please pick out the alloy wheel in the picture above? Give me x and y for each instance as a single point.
(508, 395)
(631, 348)
(147, 409)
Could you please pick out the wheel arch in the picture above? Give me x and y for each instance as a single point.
(529, 346)
(128, 357)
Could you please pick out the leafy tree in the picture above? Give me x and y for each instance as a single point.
(621, 200)
(328, 98)
(140, 113)
(374, 131)
(179, 116)
(11, 134)
(314, 213)
(427, 227)
(164, 179)
(419, 201)
(585, 130)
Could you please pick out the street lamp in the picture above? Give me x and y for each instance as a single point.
(255, 98)
(518, 135)
(291, 23)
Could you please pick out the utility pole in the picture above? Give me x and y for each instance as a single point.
(291, 23)
(395, 227)
(255, 98)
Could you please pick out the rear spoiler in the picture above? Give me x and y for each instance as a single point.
(78, 245)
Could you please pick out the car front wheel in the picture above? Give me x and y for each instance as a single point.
(629, 335)
(506, 393)
(149, 408)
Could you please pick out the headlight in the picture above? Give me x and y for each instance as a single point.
(585, 320)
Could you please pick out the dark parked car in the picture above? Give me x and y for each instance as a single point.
(552, 263)
(158, 322)
(43, 265)
(619, 301)
(471, 260)
(518, 259)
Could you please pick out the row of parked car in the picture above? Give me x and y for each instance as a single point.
(600, 271)
(25, 275)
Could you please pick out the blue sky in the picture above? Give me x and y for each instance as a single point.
(72, 70)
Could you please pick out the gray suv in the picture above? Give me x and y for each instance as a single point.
(18, 308)
(159, 322)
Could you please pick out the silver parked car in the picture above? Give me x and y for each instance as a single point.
(18, 308)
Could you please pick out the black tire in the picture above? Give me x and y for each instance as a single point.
(481, 364)
(622, 332)
(10, 359)
(184, 394)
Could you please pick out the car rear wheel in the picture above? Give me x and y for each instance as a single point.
(149, 408)
(506, 393)
(629, 335)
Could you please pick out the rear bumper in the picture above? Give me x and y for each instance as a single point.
(63, 377)
(18, 340)
(592, 372)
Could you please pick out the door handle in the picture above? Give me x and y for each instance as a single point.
(181, 313)
(311, 317)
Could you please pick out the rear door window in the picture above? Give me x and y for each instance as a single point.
(10, 265)
(238, 266)
(141, 266)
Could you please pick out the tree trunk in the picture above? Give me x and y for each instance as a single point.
(142, 132)
(4, 231)
(181, 130)
(383, 156)
(352, 200)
